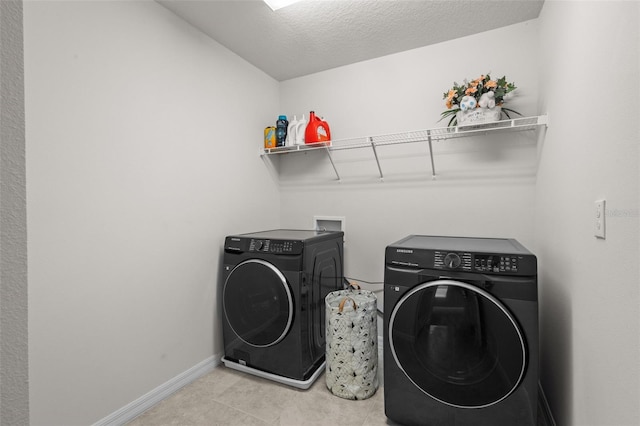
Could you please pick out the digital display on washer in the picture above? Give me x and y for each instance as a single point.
(495, 263)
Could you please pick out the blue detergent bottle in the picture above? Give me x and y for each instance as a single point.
(281, 130)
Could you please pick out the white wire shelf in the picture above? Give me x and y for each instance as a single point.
(425, 135)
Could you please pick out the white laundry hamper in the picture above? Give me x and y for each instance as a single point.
(352, 343)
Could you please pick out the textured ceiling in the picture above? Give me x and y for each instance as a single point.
(316, 35)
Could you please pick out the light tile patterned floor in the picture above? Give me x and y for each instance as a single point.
(230, 397)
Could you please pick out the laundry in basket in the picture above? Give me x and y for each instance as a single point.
(352, 343)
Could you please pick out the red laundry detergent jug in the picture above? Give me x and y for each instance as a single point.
(317, 130)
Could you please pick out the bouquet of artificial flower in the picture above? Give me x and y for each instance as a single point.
(483, 92)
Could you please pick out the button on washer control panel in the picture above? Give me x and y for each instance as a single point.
(495, 263)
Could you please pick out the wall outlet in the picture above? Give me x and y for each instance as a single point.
(599, 230)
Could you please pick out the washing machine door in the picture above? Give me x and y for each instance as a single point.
(257, 303)
(457, 343)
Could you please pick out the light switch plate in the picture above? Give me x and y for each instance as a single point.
(599, 230)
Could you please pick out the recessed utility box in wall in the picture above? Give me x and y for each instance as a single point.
(329, 223)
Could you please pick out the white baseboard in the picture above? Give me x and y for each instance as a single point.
(142, 404)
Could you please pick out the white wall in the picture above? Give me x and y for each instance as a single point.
(484, 186)
(142, 143)
(131, 162)
(590, 328)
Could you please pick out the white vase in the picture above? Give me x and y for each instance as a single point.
(479, 116)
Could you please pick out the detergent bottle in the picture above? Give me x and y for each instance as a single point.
(300, 129)
(270, 137)
(281, 130)
(317, 130)
(291, 132)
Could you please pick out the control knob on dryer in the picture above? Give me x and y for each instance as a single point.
(452, 260)
(259, 245)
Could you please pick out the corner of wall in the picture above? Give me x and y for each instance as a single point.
(14, 373)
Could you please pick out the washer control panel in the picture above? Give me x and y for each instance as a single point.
(452, 260)
(495, 263)
(490, 256)
(474, 262)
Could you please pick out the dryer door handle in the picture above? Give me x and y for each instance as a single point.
(404, 269)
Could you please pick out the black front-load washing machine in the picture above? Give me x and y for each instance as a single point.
(460, 332)
(275, 283)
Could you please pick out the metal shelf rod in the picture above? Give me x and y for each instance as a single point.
(375, 153)
(433, 167)
(332, 163)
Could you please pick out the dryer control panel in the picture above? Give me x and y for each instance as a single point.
(275, 246)
(258, 245)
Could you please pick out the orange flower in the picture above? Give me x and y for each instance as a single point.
(471, 91)
(477, 81)
(452, 94)
(491, 84)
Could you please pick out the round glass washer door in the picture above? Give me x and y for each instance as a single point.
(457, 343)
(257, 303)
